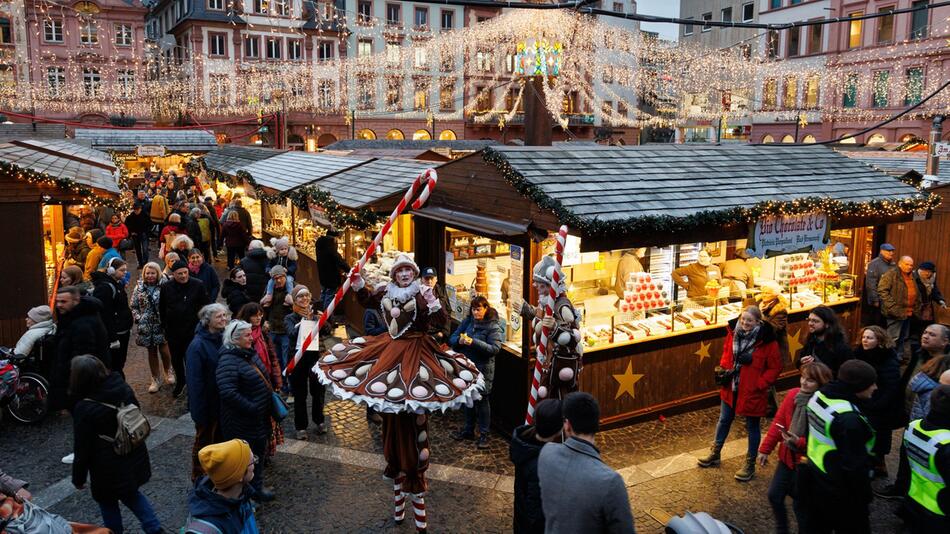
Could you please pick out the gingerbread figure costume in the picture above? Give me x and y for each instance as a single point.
(403, 375)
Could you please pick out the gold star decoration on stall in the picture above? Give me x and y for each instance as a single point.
(794, 343)
(626, 381)
(703, 351)
(846, 315)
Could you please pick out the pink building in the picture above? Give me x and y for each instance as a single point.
(86, 50)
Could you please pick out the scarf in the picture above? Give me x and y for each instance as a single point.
(742, 343)
(302, 312)
(799, 422)
(260, 347)
(928, 283)
(193, 269)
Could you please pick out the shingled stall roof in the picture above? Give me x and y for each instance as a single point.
(897, 163)
(227, 159)
(126, 140)
(614, 191)
(31, 130)
(373, 182)
(62, 161)
(459, 145)
(290, 170)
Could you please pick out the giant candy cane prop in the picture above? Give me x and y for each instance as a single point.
(542, 343)
(425, 181)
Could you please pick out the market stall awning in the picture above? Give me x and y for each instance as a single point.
(128, 140)
(478, 223)
(613, 184)
(228, 159)
(290, 170)
(899, 162)
(62, 161)
(363, 185)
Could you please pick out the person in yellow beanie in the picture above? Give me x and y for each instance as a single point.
(220, 500)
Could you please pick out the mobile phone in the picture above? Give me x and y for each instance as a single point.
(780, 425)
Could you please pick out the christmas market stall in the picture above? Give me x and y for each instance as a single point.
(40, 178)
(666, 244)
(221, 166)
(149, 150)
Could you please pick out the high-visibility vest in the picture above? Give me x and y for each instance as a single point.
(822, 411)
(922, 447)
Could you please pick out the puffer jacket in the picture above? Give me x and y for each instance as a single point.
(523, 451)
(288, 262)
(201, 365)
(230, 516)
(116, 314)
(921, 386)
(487, 336)
(255, 267)
(245, 396)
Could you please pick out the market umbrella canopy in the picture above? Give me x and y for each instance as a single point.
(127, 140)
(62, 161)
(228, 159)
(366, 184)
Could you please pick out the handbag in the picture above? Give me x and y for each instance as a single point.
(125, 244)
(279, 408)
(723, 376)
(772, 408)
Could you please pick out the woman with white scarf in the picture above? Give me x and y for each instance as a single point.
(750, 364)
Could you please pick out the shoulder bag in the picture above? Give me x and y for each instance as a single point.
(279, 408)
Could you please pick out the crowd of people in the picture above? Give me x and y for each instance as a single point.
(227, 345)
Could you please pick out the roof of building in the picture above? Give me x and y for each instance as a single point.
(899, 162)
(63, 160)
(228, 159)
(290, 170)
(414, 153)
(126, 140)
(597, 185)
(360, 186)
(385, 144)
(34, 130)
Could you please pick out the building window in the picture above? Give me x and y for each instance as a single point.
(218, 44)
(707, 17)
(366, 93)
(483, 61)
(394, 14)
(218, 90)
(89, 33)
(854, 30)
(775, 4)
(294, 49)
(260, 6)
(879, 89)
(366, 134)
(216, 5)
(91, 83)
(252, 47)
(325, 51)
(6, 33)
(794, 42)
(768, 139)
(395, 135)
(364, 12)
(123, 35)
(421, 19)
(850, 91)
(394, 93)
(325, 94)
(273, 47)
(726, 14)
(483, 99)
(364, 48)
(809, 139)
(421, 135)
(421, 61)
(688, 28)
(815, 39)
(446, 60)
(812, 91)
(618, 7)
(748, 12)
(771, 44)
(393, 55)
(790, 97)
(281, 8)
(420, 95)
(53, 31)
(447, 95)
(769, 94)
(448, 20)
(447, 135)
(55, 81)
(918, 20)
(126, 79)
(914, 85)
(885, 26)
(877, 139)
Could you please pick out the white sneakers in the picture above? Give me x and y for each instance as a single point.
(68, 459)
(153, 387)
(170, 378)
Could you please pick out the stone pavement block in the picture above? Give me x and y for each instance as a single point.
(53, 494)
(731, 449)
(634, 475)
(291, 446)
(505, 484)
(668, 466)
(466, 477)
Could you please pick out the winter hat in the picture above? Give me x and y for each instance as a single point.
(297, 290)
(226, 462)
(858, 374)
(928, 266)
(277, 270)
(40, 314)
(403, 260)
(544, 272)
(104, 242)
(888, 247)
(255, 244)
(74, 235)
(548, 420)
(280, 243)
(180, 264)
(940, 401)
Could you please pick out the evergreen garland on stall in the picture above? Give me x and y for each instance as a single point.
(73, 187)
(835, 209)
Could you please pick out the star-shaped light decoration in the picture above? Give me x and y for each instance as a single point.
(703, 351)
(626, 381)
(794, 343)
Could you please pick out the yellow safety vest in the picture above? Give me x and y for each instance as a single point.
(822, 411)
(922, 447)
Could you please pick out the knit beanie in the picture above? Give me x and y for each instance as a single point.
(297, 290)
(277, 270)
(928, 266)
(548, 420)
(857, 374)
(40, 314)
(74, 235)
(104, 242)
(180, 264)
(280, 243)
(225, 463)
(940, 402)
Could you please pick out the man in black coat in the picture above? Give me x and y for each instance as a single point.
(178, 305)
(255, 268)
(138, 223)
(526, 443)
(244, 216)
(331, 268)
(79, 330)
(115, 313)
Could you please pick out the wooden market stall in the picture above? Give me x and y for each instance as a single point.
(640, 214)
(38, 177)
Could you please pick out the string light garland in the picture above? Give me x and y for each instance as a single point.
(835, 209)
(71, 187)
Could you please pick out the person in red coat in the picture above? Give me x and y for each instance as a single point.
(788, 431)
(750, 364)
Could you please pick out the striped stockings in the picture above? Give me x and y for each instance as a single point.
(419, 510)
(399, 512)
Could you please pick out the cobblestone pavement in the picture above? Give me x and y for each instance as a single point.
(333, 483)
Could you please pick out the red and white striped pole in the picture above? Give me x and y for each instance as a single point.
(542, 343)
(426, 181)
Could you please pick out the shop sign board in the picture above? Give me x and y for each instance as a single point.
(773, 236)
(515, 291)
(942, 150)
(148, 151)
(319, 215)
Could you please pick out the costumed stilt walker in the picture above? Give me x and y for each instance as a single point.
(557, 334)
(403, 374)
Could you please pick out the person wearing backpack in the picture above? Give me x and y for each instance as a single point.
(116, 464)
(220, 502)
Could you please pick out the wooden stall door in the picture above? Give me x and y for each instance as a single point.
(926, 241)
(23, 270)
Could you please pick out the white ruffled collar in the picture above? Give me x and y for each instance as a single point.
(402, 294)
